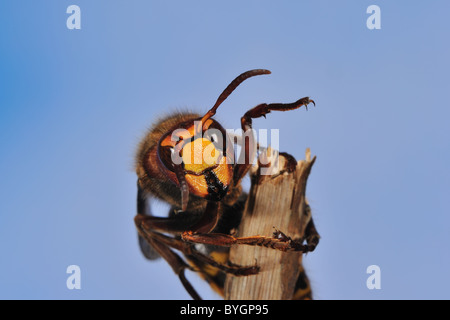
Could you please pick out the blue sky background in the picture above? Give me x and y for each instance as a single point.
(75, 103)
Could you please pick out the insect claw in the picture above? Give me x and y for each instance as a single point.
(308, 102)
(275, 232)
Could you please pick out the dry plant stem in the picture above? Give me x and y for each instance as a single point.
(276, 201)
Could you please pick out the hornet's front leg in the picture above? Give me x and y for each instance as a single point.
(248, 151)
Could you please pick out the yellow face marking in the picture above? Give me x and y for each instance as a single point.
(199, 155)
(197, 185)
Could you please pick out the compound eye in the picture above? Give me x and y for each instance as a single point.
(166, 155)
